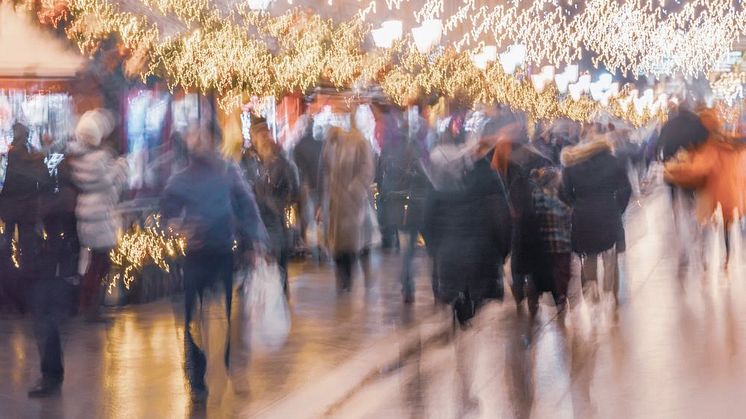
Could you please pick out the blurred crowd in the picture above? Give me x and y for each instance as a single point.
(487, 193)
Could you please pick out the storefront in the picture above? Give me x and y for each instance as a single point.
(36, 77)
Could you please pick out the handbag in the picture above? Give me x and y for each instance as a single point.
(267, 308)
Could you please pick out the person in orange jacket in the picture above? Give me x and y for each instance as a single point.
(716, 169)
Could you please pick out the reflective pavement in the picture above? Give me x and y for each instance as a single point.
(676, 350)
(132, 367)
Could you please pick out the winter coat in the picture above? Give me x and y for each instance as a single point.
(307, 157)
(596, 186)
(61, 196)
(468, 234)
(348, 169)
(25, 180)
(216, 204)
(526, 239)
(100, 178)
(717, 170)
(275, 186)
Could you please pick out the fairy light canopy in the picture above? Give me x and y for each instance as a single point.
(520, 53)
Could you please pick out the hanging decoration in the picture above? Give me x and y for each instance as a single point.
(243, 52)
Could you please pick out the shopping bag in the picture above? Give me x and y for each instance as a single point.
(269, 315)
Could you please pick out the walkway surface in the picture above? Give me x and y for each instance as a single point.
(677, 349)
(132, 367)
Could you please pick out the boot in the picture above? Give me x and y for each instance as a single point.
(45, 388)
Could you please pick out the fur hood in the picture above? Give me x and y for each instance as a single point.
(577, 154)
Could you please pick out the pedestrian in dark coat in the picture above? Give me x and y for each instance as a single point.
(468, 233)
(275, 182)
(554, 222)
(514, 159)
(54, 291)
(596, 186)
(25, 180)
(418, 188)
(307, 157)
(212, 206)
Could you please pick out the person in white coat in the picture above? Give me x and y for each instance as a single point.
(100, 177)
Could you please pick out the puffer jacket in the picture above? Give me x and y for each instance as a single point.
(100, 178)
(596, 186)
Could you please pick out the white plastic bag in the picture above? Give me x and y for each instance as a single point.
(267, 307)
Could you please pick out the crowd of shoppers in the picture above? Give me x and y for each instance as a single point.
(483, 192)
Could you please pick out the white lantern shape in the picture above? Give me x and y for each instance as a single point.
(259, 4)
(390, 31)
(513, 58)
(486, 56)
(576, 91)
(562, 81)
(571, 72)
(427, 35)
(539, 82)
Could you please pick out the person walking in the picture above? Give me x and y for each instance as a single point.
(275, 182)
(99, 177)
(554, 218)
(211, 205)
(716, 170)
(25, 180)
(307, 157)
(596, 186)
(53, 293)
(467, 228)
(514, 159)
(347, 167)
(418, 188)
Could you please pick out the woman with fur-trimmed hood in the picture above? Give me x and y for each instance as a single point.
(596, 186)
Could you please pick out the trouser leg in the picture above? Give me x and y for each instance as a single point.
(195, 364)
(51, 307)
(344, 262)
(90, 285)
(561, 263)
(407, 280)
(611, 272)
(589, 276)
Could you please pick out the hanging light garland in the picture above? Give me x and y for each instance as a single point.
(243, 52)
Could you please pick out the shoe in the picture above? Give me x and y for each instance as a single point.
(45, 388)
(408, 298)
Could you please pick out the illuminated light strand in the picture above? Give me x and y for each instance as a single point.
(230, 54)
(141, 247)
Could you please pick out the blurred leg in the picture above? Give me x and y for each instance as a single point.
(611, 273)
(195, 365)
(90, 285)
(343, 268)
(407, 281)
(589, 276)
(561, 276)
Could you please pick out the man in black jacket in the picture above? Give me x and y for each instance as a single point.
(25, 178)
(53, 292)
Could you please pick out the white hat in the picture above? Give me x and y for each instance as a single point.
(93, 126)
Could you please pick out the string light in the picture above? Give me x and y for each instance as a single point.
(241, 52)
(141, 247)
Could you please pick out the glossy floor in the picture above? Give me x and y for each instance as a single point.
(677, 349)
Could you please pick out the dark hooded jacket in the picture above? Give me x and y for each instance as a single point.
(468, 233)
(596, 186)
(26, 179)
